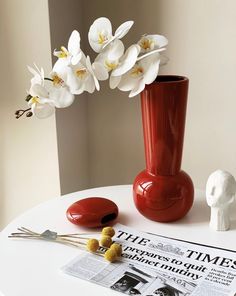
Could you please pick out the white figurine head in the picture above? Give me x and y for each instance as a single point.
(220, 189)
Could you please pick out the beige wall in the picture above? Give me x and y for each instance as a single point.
(28, 149)
(202, 46)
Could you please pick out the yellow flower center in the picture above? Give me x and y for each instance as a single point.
(137, 71)
(101, 38)
(57, 80)
(146, 43)
(110, 65)
(35, 100)
(81, 73)
(63, 53)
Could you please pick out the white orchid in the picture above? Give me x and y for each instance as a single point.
(152, 42)
(72, 55)
(111, 55)
(143, 72)
(100, 33)
(126, 62)
(40, 104)
(43, 101)
(84, 76)
(73, 73)
(38, 75)
(53, 89)
(61, 97)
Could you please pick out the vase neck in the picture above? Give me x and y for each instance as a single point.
(163, 114)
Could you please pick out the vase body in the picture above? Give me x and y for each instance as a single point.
(162, 192)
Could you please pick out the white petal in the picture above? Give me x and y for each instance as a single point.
(32, 70)
(159, 40)
(60, 65)
(61, 97)
(76, 58)
(102, 26)
(150, 53)
(135, 91)
(100, 71)
(115, 50)
(79, 91)
(36, 67)
(90, 85)
(43, 111)
(88, 64)
(42, 73)
(74, 43)
(39, 91)
(97, 85)
(151, 68)
(127, 61)
(128, 82)
(90, 69)
(36, 80)
(123, 29)
(73, 82)
(96, 46)
(114, 81)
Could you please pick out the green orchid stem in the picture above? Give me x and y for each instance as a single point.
(45, 78)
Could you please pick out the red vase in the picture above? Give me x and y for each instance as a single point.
(163, 192)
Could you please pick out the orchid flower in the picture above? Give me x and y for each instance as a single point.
(38, 75)
(111, 55)
(126, 62)
(72, 55)
(84, 76)
(152, 42)
(143, 72)
(73, 73)
(40, 104)
(43, 101)
(61, 97)
(100, 33)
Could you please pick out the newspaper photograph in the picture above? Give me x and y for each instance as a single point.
(154, 265)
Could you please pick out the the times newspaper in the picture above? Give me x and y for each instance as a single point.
(155, 265)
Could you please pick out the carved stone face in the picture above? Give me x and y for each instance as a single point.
(220, 189)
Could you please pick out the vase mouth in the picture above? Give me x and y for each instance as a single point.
(170, 79)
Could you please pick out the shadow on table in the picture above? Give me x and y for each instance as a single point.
(233, 216)
(199, 213)
(123, 219)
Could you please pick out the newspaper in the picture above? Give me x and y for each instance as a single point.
(154, 265)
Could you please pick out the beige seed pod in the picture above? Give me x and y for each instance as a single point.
(92, 245)
(108, 231)
(106, 241)
(110, 255)
(117, 248)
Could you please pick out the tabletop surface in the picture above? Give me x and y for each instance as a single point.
(34, 267)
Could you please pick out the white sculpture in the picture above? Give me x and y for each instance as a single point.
(220, 191)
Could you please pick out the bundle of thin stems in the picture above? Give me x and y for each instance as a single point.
(109, 250)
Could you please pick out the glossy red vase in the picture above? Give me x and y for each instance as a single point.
(163, 192)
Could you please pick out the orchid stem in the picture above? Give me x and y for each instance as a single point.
(49, 79)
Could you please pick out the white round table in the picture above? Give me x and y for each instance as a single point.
(34, 267)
